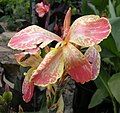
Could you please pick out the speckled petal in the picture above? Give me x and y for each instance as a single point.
(50, 69)
(28, 86)
(94, 58)
(30, 37)
(77, 66)
(67, 22)
(89, 30)
(25, 59)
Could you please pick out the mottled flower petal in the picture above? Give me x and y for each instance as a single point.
(25, 59)
(89, 30)
(28, 89)
(94, 58)
(50, 69)
(30, 37)
(77, 66)
(33, 51)
(67, 21)
(28, 86)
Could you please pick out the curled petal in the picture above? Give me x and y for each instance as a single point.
(28, 89)
(94, 58)
(25, 59)
(28, 86)
(77, 65)
(50, 69)
(31, 37)
(89, 30)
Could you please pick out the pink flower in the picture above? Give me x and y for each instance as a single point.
(42, 9)
(86, 31)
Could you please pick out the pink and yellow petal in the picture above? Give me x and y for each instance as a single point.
(28, 86)
(50, 69)
(67, 22)
(31, 37)
(25, 59)
(89, 30)
(77, 66)
(93, 56)
(28, 89)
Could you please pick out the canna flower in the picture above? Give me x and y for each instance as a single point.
(28, 59)
(42, 9)
(86, 31)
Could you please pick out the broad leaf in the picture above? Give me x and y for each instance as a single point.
(112, 10)
(93, 8)
(97, 98)
(109, 48)
(30, 37)
(94, 58)
(118, 10)
(50, 69)
(85, 8)
(102, 81)
(100, 4)
(77, 66)
(89, 30)
(114, 85)
(116, 31)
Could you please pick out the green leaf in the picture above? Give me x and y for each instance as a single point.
(42, 99)
(112, 10)
(100, 4)
(116, 31)
(109, 48)
(59, 1)
(85, 8)
(7, 96)
(116, 62)
(2, 101)
(118, 10)
(114, 85)
(117, 1)
(97, 98)
(101, 81)
(93, 8)
(105, 53)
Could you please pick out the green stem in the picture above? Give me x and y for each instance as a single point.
(114, 105)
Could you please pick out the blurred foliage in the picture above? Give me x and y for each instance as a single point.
(5, 101)
(15, 13)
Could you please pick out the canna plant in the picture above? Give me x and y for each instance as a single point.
(65, 58)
